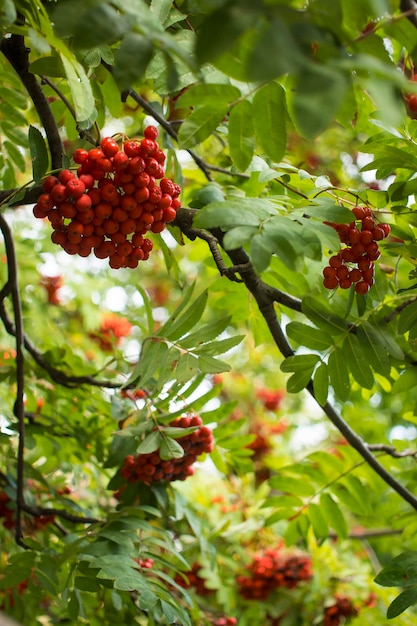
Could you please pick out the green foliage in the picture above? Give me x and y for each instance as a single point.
(277, 119)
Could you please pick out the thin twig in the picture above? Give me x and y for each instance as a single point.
(19, 408)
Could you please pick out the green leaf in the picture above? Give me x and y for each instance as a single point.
(209, 365)
(319, 92)
(202, 123)
(241, 134)
(170, 449)
(400, 571)
(308, 336)
(334, 515)
(238, 237)
(38, 153)
(154, 353)
(356, 360)
(402, 602)
(407, 317)
(204, 94)
(82, 95)
(179, 326)
(321, 383)
(150, 443)
(131, 59)
(318, 521)
(292, 486)
(322, 317)
(235, 212)
(298, 381)
(326, 210)
(299, 362)
(269, 116)
(48, 66)
(187, 367)
(375, 349)
(260, 252)
(406, 381)
(339, 374)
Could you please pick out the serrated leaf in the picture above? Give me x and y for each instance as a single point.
(321, 383)
(206, 333)
(318, 521)
(170, 449)
(260, 252)
(308, 336)
(269, 117)
(292, 486)
(375, 349)
(322, 317)
(326, 211)
(238, 237)
(150, 443)
(334, 515)
(402, 602)
(406, 381)
(319, 92)
(180, 325)
(82, 95)
(153, 354)
(38, 153)
(235, 212)
(357, 363)
(299, 362)
(298, 381)
(135, 47)
(210, 365)
(339, 374)
(202, 123)
(187, 367)
(241, 134)
(204, 94)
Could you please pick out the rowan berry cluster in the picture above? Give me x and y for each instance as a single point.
(149, 468)
(52, 285)
(270, 398)
(361, 251)
(6, 512)
(194, 580)
(339, 612)
(272, 570)
(111, 201)
(112, 329)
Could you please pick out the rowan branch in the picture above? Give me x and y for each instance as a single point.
(12, 288)
(265, 297)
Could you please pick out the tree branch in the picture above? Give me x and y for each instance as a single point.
(19, 409)
(17, 54)
(265, 297)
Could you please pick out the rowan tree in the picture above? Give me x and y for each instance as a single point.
(209, 321)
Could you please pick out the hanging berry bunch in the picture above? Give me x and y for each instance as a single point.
(354, 264)
(149, 468)
(270, 570)
(111, 201)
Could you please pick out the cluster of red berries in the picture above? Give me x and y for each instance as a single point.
(111, 201)
(225, 621)
(112, 329)
(52, 285)
(340, 611)
(271, 570)
(411, 100)
(8, 596)
(193, 580)
(6, 513)
(361, 250)
(270, 398)
(149, 468)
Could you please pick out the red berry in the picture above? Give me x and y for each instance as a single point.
(151, 132)
(49, 182)
(80, 156)
(109, 147)
(65, 176)
(59, 193)
(132, 148)
(362, 287)
(75, 188)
